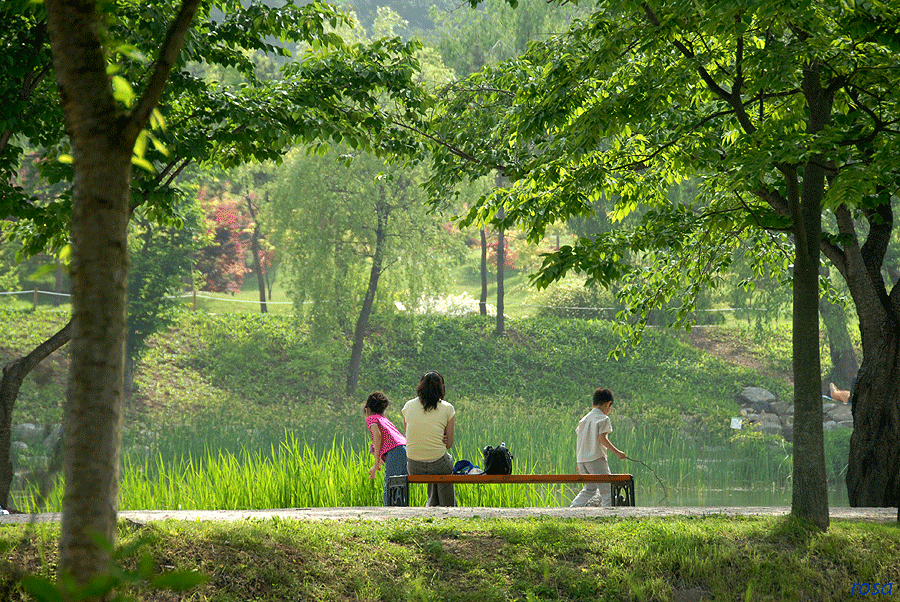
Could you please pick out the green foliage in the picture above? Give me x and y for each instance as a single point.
(469, 40)
(633, 102)
(160, 260)
(837, 450)
(346, 228)
(41, 395)
(267, 359)
(570, 298)
(333, 92)
(220, 395)
(550, 360)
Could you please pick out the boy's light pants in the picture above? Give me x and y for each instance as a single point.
(598, 466)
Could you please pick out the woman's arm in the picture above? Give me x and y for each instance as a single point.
(448, 432)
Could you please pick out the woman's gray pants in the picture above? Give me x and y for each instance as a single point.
(439, 494)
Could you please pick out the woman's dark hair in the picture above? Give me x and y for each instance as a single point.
(377, 402)
(601, 396)
(430, 390)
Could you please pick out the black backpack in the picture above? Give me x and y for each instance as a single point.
(497, 460)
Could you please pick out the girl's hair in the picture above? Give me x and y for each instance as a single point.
(430, 390)
(601, 396)
(377, 402)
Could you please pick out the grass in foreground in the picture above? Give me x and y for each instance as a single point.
(712, 558)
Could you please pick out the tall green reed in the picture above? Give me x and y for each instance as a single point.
(322, 460)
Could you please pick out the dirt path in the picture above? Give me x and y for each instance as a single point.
(377, 513)
(729, 349)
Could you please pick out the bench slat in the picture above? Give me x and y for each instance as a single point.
(621, 485)
(521, 478)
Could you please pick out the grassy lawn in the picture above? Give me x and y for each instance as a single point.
(672, 559)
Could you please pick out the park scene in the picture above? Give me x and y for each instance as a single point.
(228, 224)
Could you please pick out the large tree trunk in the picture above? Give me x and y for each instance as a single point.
(93, 407)
(873, 473)
(102, 141)
(362, 322)
(14, 374)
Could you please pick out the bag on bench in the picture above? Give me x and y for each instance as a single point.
(497, 460)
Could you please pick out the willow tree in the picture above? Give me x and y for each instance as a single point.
(353, 233)
(781, 110)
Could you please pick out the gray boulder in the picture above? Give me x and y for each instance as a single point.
(768, 423)
(756, 398)
(841, 413)
(27, 433)
(782, 408)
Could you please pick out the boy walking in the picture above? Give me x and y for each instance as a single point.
(593, 440)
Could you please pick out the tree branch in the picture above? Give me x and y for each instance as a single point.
(881, 223)
(168, 55)
(733, 97)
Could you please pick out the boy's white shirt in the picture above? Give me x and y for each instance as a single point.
(589, 429)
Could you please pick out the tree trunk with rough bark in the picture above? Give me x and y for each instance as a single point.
(809, 499)
(873, 470)
(873, 476)
(14, 374)
(102, 138)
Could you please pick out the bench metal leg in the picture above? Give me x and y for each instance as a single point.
(398, 490)
(622, 493)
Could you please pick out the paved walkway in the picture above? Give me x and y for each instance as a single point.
(377, 513)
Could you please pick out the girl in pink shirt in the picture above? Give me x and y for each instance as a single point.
(388, 444)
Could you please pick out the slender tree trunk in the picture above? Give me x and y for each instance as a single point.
(844, 365)
(501, 267)
(257, 264)
(362, 322)
(482, 302)
(92, 411)
(810, 490)
(809, 499)
(14, 374)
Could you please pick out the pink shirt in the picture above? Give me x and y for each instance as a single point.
(390, 436)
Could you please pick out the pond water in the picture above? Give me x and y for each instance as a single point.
(837, 497)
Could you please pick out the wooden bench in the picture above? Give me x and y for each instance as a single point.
(621, 485)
